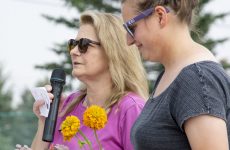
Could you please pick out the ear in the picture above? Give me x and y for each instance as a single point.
(162, 15)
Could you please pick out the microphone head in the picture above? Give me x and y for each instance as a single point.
(58, 75)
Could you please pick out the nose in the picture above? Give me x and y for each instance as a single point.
(75, 51)
(130, 39)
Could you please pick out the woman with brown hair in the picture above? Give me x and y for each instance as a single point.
(190, 105)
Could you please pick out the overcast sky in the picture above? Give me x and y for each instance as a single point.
(26, 37)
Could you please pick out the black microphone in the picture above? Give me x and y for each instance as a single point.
(57, 81)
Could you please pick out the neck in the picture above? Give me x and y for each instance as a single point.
(98, 92)
(180, 47)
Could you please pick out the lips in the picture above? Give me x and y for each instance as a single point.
(76, 63)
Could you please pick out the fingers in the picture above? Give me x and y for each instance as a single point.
(36, 106)
(39, 103)
(49, 89)
(61, 147)
(25, 147)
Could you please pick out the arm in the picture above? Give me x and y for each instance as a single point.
(206, 132)
(37, 143)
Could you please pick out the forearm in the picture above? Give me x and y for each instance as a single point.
(37, 143)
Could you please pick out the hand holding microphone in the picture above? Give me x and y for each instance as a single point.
(57, 81)
(41, 102)
(54, 91)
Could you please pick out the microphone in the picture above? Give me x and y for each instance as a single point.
(57, 81)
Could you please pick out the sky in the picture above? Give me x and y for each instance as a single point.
(26, 38)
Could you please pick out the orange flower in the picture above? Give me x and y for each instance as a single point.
(69, 127)
(95, 117)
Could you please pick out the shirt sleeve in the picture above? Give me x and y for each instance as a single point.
(130, 115)
(198, 91)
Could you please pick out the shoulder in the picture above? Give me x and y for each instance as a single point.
(203, 69)
(129, 105)
(200, 89)
(71, 97)
(199, 76)
(131, 100)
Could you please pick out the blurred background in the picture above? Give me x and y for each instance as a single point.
(33, 36)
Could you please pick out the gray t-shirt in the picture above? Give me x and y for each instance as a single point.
(200, 88)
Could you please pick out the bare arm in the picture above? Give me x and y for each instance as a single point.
(37, 143)
(207, 133)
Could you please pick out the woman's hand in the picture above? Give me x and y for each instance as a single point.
(60, 147)
(20, 147)
(39, 103)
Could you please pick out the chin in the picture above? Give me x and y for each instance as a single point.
(76, 73)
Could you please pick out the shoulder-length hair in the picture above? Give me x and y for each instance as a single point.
(125, 65)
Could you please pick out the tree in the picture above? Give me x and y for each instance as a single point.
(204, 21)
(19, 125)
(5, 142)
(5, 109)
(5, 94)
(25, 121)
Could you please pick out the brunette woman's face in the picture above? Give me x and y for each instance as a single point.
(145, 31)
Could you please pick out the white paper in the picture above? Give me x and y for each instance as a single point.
(40, 93)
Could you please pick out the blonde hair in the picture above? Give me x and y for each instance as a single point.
(125, 65)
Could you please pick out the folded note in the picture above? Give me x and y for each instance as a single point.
(40, 93)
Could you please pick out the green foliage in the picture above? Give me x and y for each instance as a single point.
(6, 143)
(203, 23)
(65, 63)
(73, 23)
(5, 108)
(225, 63)
(5, 94)
(24, 121)
(17, 126)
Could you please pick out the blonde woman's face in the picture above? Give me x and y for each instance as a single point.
(93, 63)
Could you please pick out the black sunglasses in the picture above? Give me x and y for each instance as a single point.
(82, 43)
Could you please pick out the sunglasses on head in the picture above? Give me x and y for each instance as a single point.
(82, 44)
(129, 24)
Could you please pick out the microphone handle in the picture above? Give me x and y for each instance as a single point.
(50, 122)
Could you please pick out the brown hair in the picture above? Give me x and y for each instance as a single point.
(184, 9)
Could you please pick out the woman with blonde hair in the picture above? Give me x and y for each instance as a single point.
(112, 77)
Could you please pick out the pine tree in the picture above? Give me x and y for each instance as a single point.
(25, 121)
(5, 94)
(5, 112)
